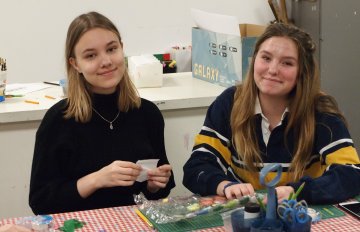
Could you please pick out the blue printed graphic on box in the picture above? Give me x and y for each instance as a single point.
(216, 57)
(220, 58)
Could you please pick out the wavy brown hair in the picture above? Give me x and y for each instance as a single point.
(304, 100)
(79, 95)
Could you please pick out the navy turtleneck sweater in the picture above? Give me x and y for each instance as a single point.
(66, 150)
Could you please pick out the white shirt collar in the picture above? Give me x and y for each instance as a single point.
(265, 122)
(258, 109)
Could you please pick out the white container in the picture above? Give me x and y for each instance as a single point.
(145, 71)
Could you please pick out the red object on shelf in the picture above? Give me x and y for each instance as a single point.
(166, 56)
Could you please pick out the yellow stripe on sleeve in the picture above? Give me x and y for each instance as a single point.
(346, 155)
(216, 144)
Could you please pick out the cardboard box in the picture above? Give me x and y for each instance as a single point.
(220, 58)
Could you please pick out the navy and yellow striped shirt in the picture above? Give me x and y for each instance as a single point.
(332, 173)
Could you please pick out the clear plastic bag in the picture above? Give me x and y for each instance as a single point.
(39, 223)
(177, 208)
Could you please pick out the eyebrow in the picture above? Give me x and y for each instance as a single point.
(285, 57)
(92, 49)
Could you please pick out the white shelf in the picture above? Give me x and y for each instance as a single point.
(179, 91)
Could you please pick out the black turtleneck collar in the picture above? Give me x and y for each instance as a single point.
(106, 104)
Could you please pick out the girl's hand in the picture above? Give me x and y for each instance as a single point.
(236, 190)
(283, 192)
(158, 177)
(118, 173)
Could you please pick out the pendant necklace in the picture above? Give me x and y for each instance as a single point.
(110, 122)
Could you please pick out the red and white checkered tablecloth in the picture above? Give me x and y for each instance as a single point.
(121, 219)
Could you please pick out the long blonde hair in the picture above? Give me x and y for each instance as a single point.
(79, 96)
(304, 100)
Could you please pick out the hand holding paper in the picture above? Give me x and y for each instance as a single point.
(118, 173)
(159, 177)
(146, 165)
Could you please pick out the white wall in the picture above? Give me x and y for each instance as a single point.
(33, 32)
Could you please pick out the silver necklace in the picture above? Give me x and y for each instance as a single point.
(110, 122)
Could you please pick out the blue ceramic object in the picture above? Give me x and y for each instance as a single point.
(270, 222)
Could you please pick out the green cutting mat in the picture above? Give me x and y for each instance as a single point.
(328, 211)
(196, 223)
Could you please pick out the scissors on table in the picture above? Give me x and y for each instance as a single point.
(294, 204)
(292, 212)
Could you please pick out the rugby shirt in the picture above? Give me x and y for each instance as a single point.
(331, 175)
